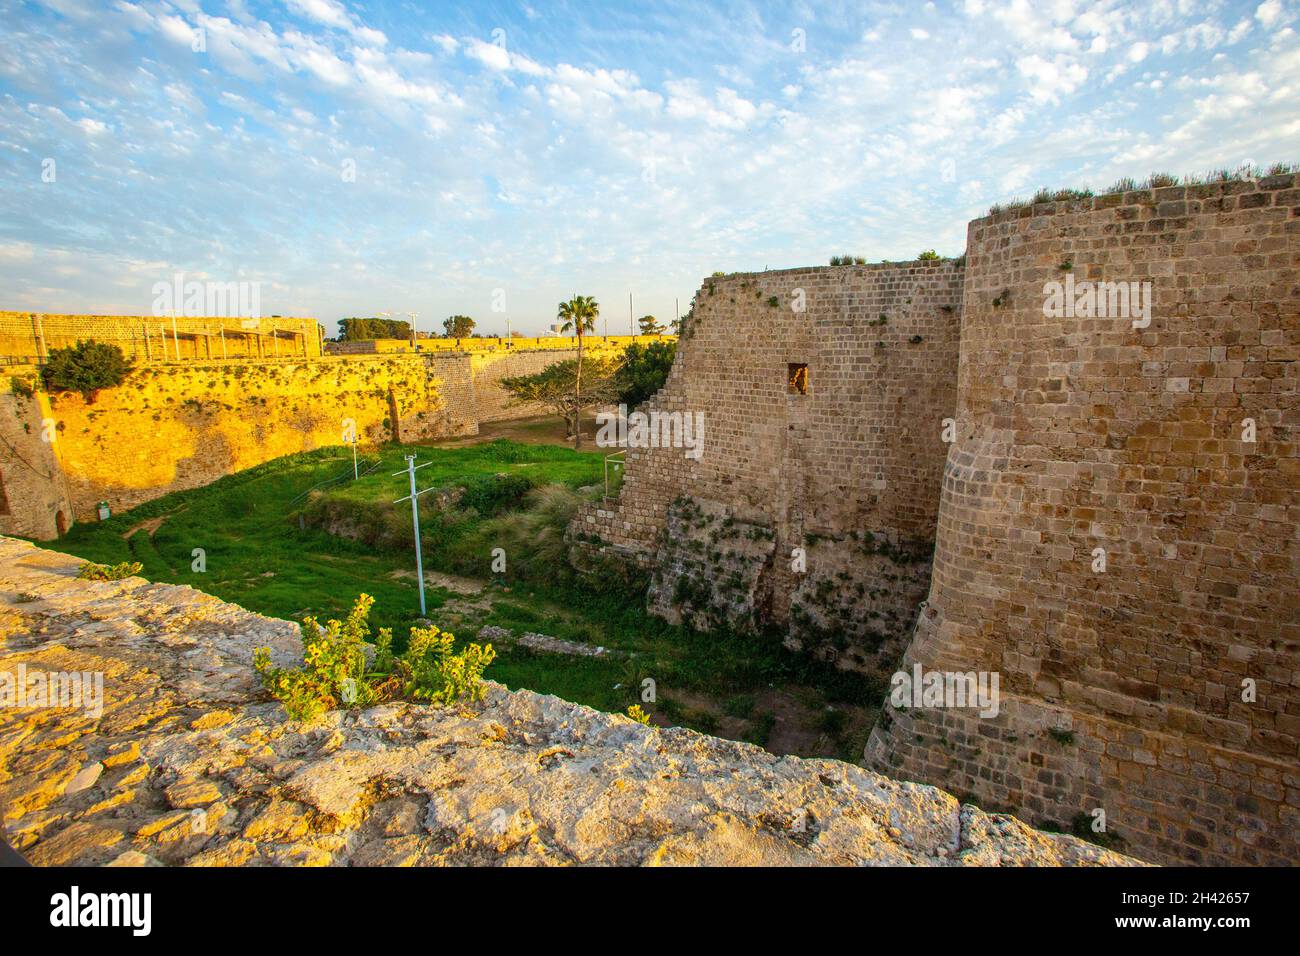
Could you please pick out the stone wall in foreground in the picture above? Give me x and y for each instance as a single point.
(190, 764)
(1162, 689)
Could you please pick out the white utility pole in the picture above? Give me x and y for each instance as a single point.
(411, 468)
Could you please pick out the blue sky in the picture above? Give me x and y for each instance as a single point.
(529, 151)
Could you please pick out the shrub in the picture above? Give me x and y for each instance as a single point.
(86, 368)
(90, 571)
(430, 672)
(639, 715)
(645, 369)
(491, 494)
(534, 536)
(334, 672)
(929, 256)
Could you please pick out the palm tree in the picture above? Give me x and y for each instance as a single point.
(578, 315)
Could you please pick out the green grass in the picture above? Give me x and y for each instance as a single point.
(258, 556)
(263, 553)
(451, 467)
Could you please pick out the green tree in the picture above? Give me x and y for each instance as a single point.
(364, 330)
(650, 325)
(644, 371)
(578, 315)
(86, 368)
(556, 387)
(459, 326)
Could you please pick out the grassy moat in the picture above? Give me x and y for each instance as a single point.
(298, 536)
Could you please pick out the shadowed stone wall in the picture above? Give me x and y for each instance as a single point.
(848, 472)
(1162, 690)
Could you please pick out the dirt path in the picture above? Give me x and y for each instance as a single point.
(152, 525)
(539, 430)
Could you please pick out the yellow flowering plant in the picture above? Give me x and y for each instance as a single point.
(334, 673)
(90, 571)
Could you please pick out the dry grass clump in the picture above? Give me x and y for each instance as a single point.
(1154, 181)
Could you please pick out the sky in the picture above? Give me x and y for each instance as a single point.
(490, 158)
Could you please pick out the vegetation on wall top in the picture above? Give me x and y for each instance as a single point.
(1154, 181)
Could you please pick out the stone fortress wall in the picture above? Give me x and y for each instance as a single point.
(847, 471)
(492, 344)
(1129, 690)
(29, 336)
(1160, 691)
(181, 424)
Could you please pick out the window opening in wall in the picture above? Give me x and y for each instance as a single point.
(4, 499)
(797, 378)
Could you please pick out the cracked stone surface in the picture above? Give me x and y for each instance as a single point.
(191, 763)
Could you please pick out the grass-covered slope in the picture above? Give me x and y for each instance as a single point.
(297, 536)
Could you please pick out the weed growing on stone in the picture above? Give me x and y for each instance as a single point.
(90, 571)
(334, 673)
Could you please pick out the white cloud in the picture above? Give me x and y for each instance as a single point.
(176, 29)
(498, 58)
(1268, 12)
(1051, 79)
(319, 60)
(329, 12)
(489, 54)
(821, 149)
